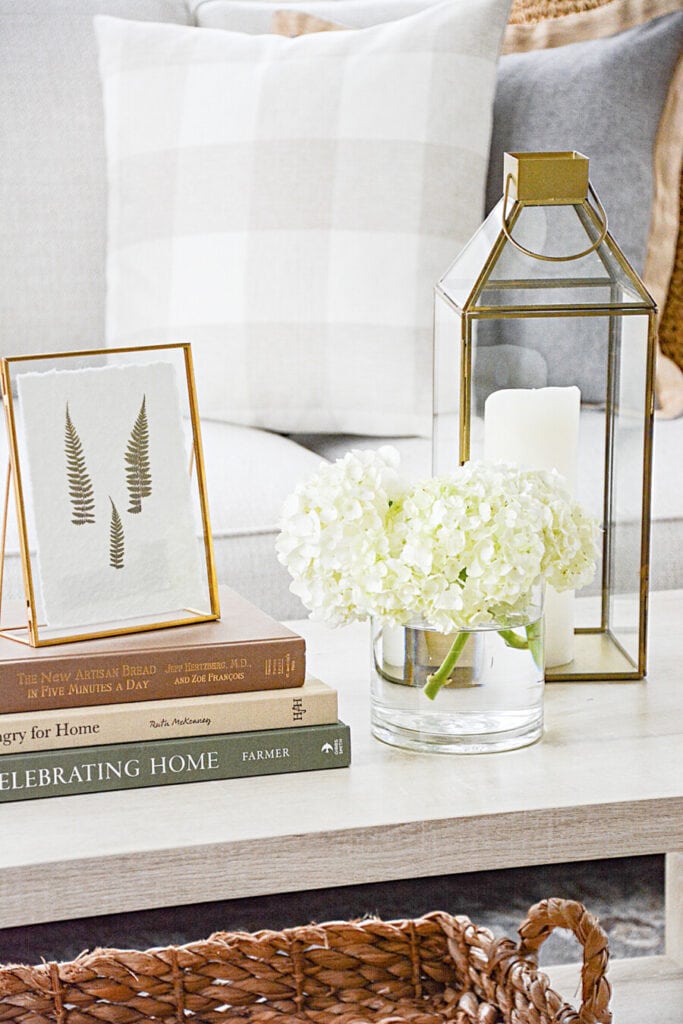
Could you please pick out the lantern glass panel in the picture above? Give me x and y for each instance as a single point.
(492, 273)
(461, 277)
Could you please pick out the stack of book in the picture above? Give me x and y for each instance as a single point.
(214, 700)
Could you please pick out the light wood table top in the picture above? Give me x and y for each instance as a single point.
(606, 781)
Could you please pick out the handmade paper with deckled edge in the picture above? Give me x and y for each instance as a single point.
(163, 569)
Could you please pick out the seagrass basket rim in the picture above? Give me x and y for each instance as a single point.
(424, 970)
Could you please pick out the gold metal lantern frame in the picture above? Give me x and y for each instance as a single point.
(543, 295)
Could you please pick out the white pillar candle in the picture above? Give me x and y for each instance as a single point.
(539, 429)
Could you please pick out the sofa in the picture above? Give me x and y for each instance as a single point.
(54, 238)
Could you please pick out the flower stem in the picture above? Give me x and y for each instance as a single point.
(512, 639)
(534, 632)
(530, 642)
(443, 672)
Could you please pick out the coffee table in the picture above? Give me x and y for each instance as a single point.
(606, 781)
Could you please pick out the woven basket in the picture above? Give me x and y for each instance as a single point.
(425, 971)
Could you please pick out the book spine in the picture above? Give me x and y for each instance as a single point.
(117, 766)
(311, 704)
(63, 681)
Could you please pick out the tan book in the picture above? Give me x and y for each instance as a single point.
(244, 650)
(314, 703)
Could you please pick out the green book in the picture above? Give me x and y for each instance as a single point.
(36, 774)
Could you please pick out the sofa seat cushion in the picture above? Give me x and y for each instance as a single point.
(249, 474)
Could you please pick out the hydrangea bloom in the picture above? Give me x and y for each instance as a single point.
(334, 535)
(452, 551)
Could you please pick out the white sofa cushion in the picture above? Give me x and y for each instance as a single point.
(306, 194)
(249, 475)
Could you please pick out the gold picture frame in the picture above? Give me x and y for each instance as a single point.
(90, 432)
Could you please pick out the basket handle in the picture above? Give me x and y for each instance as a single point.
(542, 920)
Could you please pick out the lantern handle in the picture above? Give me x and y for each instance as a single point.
(555, 259)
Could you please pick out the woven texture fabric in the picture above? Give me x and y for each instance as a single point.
(535, 10)
(671, 323)
(280, 238)
(423, 971)
(625, 12)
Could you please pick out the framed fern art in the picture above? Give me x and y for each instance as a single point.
(110, 497)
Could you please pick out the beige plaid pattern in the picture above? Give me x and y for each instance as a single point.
(286, 205)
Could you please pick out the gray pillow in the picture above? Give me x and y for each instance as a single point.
(604, 98)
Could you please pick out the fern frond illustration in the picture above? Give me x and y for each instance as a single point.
(80, 484)
(138, 473)
(116, 539)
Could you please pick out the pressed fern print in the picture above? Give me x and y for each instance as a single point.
(116, 539)
(80, 484)
(138, 473)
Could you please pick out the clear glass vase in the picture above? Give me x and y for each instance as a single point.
(492, 698)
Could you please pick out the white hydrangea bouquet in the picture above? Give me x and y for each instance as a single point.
(453, 552)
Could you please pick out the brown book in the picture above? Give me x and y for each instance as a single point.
(244, 650)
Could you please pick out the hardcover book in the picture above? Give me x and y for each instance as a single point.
(244, 650)
(47, 773)
(314, 703)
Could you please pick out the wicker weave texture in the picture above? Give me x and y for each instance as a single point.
(537, 10)
(671, 325)
(426, 971)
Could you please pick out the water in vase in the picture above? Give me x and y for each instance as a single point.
(493, 697)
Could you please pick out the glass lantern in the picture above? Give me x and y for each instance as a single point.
(542, 304)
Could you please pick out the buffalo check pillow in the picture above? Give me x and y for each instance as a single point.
(286, 205)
